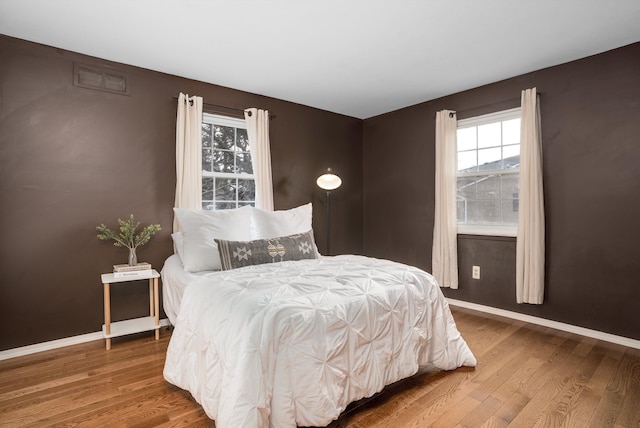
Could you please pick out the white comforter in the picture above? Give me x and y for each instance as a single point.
(295, 342)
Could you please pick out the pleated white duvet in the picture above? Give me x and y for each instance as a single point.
(293, 343)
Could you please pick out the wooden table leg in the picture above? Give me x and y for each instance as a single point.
(107, 314)
(151, 313)
(157, 307)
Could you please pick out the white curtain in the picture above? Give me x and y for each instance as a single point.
(445, 229)
(188, 154)
(530, 242)
(258, 133)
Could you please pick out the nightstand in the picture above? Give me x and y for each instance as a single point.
(136, 325)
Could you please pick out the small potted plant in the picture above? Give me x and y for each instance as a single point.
(127, 236)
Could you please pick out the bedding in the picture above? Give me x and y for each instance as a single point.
(196, 243)
(200, 228)
(178, 244)
(271, 224)
(198, 251)
(293, 343)
(174, 281)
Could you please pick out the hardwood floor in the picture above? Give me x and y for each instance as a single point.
(527, 376)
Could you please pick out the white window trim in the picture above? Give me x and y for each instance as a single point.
(224, 120)
(513, 113)
(240, 176)
(489, 172)
(486, 229)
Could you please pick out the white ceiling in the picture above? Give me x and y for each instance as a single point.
(360, 58)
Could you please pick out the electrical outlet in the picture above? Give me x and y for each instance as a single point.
(475, 272)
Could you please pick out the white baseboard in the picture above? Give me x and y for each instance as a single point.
(54, 344)
(595, 334)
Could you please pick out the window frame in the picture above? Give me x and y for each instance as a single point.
(216, 119)
(487, 229)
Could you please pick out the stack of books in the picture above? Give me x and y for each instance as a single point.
(127, 271)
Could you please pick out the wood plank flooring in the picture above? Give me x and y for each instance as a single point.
(527, 376)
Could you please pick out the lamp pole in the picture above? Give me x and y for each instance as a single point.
(329, 181)
(328, 222)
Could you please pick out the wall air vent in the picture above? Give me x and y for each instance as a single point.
(101, 79)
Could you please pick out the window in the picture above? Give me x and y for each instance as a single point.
(488, 152)
(227, 173)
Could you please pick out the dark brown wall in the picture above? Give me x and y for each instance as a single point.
(591, 153)
(71, 158)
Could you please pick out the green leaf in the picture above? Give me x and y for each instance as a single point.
(127, 237)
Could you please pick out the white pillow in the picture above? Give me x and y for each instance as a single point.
(178, 241)
(273, 224)
(200, 228)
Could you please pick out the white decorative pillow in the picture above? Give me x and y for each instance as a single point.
(201, 228)
(271, 224)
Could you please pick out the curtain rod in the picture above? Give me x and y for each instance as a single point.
(271, 116)
(538, 94)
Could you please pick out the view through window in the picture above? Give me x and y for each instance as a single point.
(488, 165)
(227, 173)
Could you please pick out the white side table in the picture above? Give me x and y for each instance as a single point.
(136, 325)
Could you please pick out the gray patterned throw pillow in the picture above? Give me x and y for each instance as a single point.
(235, 254)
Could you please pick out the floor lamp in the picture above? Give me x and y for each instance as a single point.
(328, 181)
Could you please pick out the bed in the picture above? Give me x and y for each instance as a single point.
(293, 342)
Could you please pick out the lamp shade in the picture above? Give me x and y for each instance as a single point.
(328, 181)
